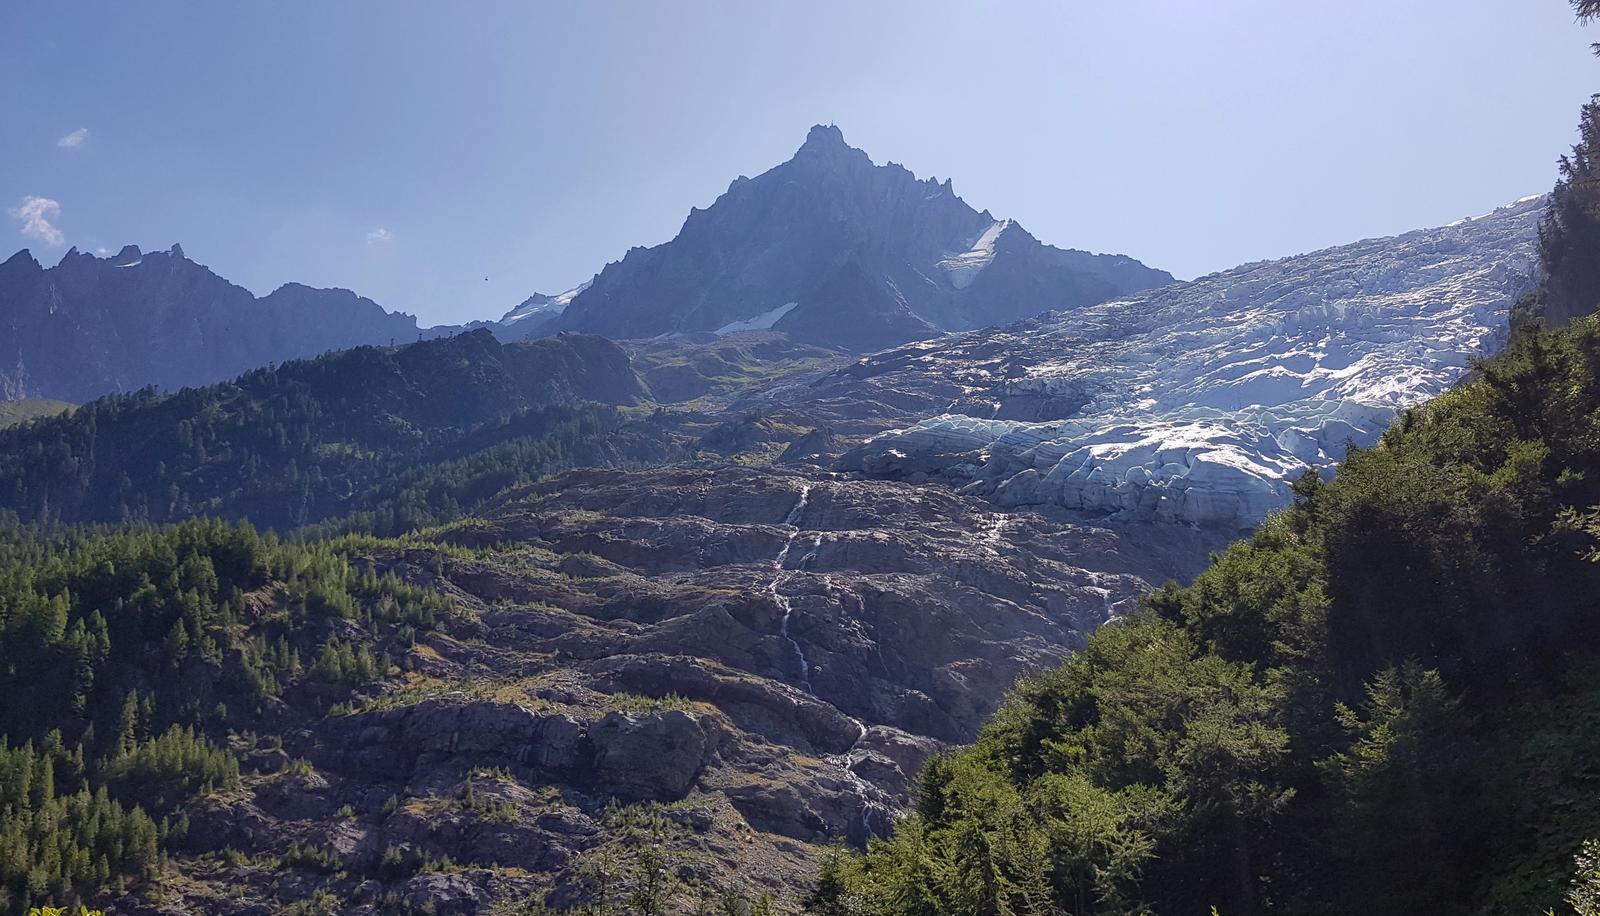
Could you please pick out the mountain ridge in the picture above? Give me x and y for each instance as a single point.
(93, 325)
(98, 325)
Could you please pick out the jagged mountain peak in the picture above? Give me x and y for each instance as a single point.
(769, 240)
(535, 312)
(24, 260)
(127, 256)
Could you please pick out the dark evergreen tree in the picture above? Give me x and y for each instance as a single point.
(1569, 238)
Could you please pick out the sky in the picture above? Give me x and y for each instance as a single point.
(449, 159)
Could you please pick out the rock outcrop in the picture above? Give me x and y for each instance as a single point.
(651, 755)
(852, 312)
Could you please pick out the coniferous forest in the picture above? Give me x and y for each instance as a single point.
(135, 663)
(382, 439)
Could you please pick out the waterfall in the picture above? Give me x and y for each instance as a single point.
(779, 574)
(876, 818)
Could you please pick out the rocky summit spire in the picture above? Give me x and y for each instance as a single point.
(824, 137)
(825, 145)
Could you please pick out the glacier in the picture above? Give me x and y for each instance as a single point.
(1197, 402)
(540, 305)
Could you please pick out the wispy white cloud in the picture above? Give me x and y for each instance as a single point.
(37, 215)
(74, 139)
(380, 236)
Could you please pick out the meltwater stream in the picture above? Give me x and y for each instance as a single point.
(779, 574)
(876, 818)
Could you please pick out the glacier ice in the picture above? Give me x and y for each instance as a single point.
(1198, 401)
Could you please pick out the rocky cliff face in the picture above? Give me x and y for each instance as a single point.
(92, 326)
(1193, 403)
(762, 657)
(851, 312)
(771, 241)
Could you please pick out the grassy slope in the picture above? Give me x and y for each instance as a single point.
(14, 412)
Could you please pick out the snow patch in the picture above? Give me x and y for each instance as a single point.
(961, 269)
(555, 305)
(761, 322)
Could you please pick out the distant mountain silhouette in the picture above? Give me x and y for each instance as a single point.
(91, 326)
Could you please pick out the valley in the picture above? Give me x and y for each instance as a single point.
(846, 546)
(715, 599)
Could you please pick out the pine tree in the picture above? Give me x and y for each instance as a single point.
(1569, 238)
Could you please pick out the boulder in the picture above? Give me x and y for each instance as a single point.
(651, 755)
(444, 894)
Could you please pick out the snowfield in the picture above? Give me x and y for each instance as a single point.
(761, 322)
(1197, 402)
(963, 268)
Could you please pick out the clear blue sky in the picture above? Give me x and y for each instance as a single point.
(408, 150)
